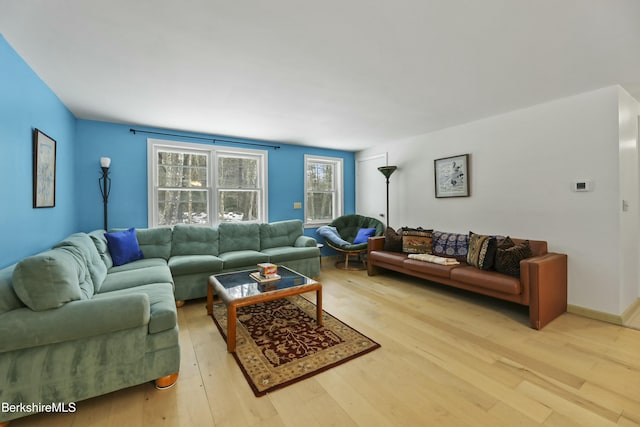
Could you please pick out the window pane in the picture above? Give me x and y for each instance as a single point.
(320, 176)
(238, 205)
(182, 207)
(319, 206)
(182, 170)
(235, 172)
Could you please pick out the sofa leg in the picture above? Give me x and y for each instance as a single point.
(179, 304)
(166, 381)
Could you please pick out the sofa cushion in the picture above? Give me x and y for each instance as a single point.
(417, 240)
(487, 279)
(280, 233)
(138, 277)
(429, 267)
(161, 302)
(392, 240)
(83, 246)
(141, 263)
(101, 245)
(509, 255)
(8, 298)
(123, 246)
(482, 251)
(278, 255)
(451, 245)
(395, 258)
(191, 264)
(237, 236)
(51, 279)
(155, 242)
(249, 259)
(194, 240)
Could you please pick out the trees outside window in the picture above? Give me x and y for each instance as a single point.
(323, 189)
(238, 187)
(199, 184)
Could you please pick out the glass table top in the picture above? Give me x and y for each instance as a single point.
(239, 284)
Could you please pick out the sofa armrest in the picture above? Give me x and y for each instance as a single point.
(24, 328)
(376, 243)
(305, 242)
(546, 276)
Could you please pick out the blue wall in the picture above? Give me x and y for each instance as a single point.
(128, 172)
(27, 103)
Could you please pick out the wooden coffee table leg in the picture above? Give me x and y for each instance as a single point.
(319, 306)
(209, 299)
(231, 328)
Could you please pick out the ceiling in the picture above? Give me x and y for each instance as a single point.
(344, 74)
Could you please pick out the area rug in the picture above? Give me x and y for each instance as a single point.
(279, 342)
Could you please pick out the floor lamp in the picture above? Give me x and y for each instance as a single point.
(387, 171)
(105, 185)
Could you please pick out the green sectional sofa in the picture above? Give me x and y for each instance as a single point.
(198, 252)
(74, 326)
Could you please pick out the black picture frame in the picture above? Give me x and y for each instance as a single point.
(452, 176)
(44, 170)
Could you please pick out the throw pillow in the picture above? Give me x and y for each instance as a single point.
(416, 240)
(123, 246)
(392, 240)
(451, 245)
(363, 235)
(482, 251)
(508, 257)
(331, 234)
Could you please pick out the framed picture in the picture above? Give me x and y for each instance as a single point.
(44, 170)
(452, 176)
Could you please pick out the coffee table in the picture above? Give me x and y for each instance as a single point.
(238, 289)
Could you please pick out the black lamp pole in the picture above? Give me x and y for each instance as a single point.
(387, 171)
(105, 186)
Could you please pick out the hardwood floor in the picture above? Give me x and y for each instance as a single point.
(634, 319)
(448, 358)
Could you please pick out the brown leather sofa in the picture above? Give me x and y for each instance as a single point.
(542, 285)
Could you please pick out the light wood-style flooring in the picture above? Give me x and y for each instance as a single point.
(634, 319)
(448, 358)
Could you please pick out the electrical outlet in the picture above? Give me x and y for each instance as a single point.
(297, 205)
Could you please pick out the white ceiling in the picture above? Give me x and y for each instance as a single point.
(344, 74)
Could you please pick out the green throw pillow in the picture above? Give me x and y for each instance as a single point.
(49, 280)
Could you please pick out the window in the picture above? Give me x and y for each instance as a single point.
(199, 184)
(239, 192)
(323, 189)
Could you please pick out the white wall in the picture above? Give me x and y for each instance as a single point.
(628, 111)
(521, 168)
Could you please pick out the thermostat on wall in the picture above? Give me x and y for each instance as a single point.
(582, 185)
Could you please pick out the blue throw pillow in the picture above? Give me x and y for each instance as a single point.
(123, 246)
(363, 235)
(331, 234)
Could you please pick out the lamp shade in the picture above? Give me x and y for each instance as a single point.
(387, 170)
(105, 162)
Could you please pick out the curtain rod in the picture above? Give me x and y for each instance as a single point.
(214, 140)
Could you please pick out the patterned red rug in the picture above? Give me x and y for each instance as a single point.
(279, 342)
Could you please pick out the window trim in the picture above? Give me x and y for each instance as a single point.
(212, 152)
(338, 209)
